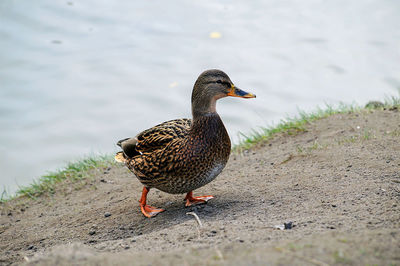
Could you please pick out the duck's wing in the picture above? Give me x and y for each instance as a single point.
(156, 138)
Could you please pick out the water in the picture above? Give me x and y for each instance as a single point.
(76, 76)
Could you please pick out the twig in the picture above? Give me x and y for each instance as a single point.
(197, 218)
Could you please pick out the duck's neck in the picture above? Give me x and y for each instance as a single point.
(209, 125)
(204, 106)
(209, 119)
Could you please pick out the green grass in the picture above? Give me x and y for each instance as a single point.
(392, 101)
(295, 125)
(291, 126)
(74, 171)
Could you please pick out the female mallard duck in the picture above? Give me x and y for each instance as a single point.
(181, 155)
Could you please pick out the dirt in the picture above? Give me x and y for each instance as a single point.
(336, 185)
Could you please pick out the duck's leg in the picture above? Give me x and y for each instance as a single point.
(147, 210)
(190, 200)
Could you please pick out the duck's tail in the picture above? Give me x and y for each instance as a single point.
(119, 143)
(120, 157)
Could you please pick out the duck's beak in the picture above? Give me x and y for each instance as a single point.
(236, 92)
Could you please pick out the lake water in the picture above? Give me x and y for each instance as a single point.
(76, 76)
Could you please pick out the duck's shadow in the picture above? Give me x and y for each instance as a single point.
(223, 208)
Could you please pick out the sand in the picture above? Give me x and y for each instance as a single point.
(335, 185)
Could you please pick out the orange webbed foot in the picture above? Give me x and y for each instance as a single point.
(190, 200)
(150, 211)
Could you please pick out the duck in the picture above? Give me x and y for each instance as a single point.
(182, 155)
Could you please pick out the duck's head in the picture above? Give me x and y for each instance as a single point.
(210, 86)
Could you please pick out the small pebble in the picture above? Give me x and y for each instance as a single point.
(288, 225)
(107, 214)
(92, 232)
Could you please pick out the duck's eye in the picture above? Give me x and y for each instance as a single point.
(219, 81)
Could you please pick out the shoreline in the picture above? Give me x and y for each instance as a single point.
(78, 169)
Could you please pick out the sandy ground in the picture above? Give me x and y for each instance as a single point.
(338, 183)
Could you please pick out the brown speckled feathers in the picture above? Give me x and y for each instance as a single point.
(178, 157)
(159, 136)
